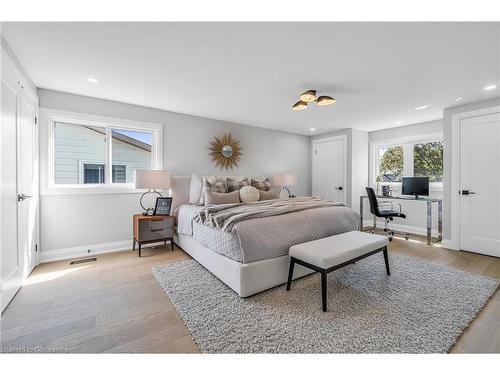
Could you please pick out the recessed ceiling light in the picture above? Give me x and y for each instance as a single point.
(313, 129)
(490, 87)
(422, 107)
(458, 99)
(92, 80)
(397, 122)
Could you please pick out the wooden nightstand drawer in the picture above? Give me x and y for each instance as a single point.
(155, 234)
(147, 225)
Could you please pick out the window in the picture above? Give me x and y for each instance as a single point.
(428, 160)
(119, 173)
(91, 152)
(390, 164)
(93, 173)
(418, 158)
(130, 148)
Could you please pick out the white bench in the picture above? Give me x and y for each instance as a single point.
(331, 253)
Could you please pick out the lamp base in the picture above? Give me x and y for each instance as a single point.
(148, 211)
(290, 195)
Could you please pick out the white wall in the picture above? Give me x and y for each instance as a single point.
(70, 221)
(416, 212)
(447, 138)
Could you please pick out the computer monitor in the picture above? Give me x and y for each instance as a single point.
(415, 186)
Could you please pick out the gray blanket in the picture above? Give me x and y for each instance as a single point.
(225, 216)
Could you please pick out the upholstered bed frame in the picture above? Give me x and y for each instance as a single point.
(245, 279)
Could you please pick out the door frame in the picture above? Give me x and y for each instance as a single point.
(454, 211)
(315, 142)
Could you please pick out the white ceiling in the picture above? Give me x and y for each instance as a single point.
(252, 73)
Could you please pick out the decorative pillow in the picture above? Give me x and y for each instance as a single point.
(212, 183)
(195, 189)
(249, 194)
(269, 194)
(261, 183)
(211, 197)
(236, 184)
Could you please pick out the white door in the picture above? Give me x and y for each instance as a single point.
(329, 169)
(27, 182)
(11, 259)
(480, 184)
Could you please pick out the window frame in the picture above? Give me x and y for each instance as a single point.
(408, 163)
(49, 187)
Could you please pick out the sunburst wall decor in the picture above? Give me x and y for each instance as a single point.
(225, 152)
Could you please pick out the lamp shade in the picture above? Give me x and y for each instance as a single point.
(286, 179)
(150, 179)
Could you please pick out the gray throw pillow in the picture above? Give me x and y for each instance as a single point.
(212, 184)
(236, 184)
(269, 194)
(212, 197)
(262, 183)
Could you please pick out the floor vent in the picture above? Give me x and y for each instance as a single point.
(86, 260)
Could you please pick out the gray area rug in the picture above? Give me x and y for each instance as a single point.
(420, 308)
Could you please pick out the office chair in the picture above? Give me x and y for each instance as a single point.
(388, 214)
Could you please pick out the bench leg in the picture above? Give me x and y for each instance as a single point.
(290, 273)
(323, 289)
(386, 258)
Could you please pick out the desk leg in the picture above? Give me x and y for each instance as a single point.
(440, 220)
(361, 213)
(429, 222)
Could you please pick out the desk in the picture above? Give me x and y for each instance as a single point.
(429, 202)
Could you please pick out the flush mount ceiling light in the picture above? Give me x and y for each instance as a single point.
(92, 80)
(325, 100)
(490, 87)
(299, 106)
(309, 97)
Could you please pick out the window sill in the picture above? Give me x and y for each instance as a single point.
(88, 190)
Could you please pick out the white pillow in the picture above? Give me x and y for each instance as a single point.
(249, 194)
(195, 189)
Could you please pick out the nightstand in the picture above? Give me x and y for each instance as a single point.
(149, 229)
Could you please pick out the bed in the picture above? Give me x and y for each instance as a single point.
(251, 255)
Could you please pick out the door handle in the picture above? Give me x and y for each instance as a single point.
(21, 197)
(339, 188)
(467, 192)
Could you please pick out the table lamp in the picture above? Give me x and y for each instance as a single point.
(151, 180)
(285, 181)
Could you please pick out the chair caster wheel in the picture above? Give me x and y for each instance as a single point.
(390, 238)
(406, 238)
(372, 231)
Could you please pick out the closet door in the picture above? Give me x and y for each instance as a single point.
(11, 258)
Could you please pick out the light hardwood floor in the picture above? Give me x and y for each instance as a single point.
(116, 305)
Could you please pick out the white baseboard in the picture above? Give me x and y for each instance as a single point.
(87, 250)
(403, 228)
